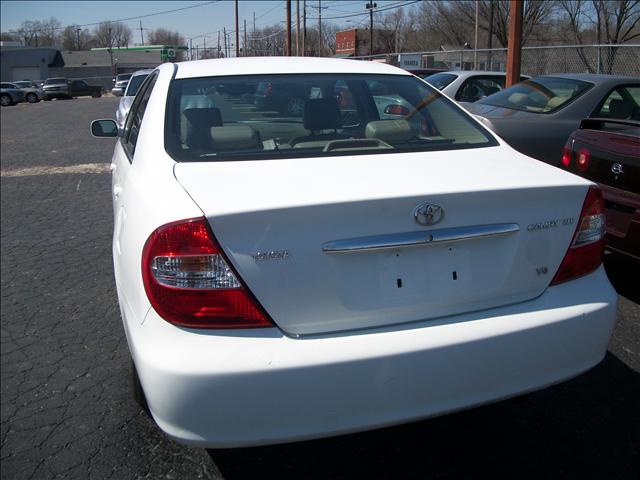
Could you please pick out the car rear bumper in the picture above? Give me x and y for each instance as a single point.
(623, 221)
(252, 387)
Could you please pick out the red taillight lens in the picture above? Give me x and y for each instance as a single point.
(587, 247)
(189, 280)
(566, 156)
(582, 159)
(268, 90)
(396, 110)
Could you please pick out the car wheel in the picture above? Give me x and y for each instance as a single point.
(136, 389)
(32, 98)
(294, 106)
(96, 95)
(5, 100)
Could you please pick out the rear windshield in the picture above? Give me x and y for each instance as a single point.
(284, 116)
(441, 80)
(134, 85)
(23, 84)
(125, 76)
(55, 81)
(539, 95)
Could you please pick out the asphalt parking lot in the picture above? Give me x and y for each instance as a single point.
(66, 408)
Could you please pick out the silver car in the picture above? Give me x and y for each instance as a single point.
(32, 93)
(129, 94)
(120, 84)
(469, 86)
(10, 95)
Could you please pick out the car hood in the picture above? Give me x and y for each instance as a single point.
(492, 111)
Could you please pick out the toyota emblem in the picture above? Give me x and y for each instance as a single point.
(428, 213)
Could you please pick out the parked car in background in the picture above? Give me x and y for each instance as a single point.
(607, 151)
(63, 88)
(120, 84)
(425, 72)
(470, 85)
(127, 99)
(286, 278)
(32, 93)
(537, 116)
(283, 96)
(10, 95)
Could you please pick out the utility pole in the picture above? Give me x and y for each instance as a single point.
(218, 53)
(370, 6)
(475, 41)
(287, 44)
(298, 28)
(204, 47)
(244, 44)
(514, 44)
(141, 35)
(304, 27)
(319, 28)
(253, 35)
(490, 39)
(224, 33)
(78, 37)
(237, 33)
(111, 51)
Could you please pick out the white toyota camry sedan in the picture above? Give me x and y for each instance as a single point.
(290, 277)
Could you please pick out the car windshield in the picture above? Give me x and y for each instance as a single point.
(312, 115)
(55, 81)
(134, 85)
(441, 80)
(538, 95)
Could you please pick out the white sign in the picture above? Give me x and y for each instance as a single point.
(410, 60)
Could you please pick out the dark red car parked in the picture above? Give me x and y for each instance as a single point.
(607, 151)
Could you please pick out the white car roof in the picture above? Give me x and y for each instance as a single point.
(281, 65)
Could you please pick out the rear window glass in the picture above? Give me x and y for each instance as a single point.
(134, 85)
(539, 95)
(55, 81)
(284, 116)
(441, 80)
(125, 76)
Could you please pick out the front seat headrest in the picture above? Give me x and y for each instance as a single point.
(322, 114)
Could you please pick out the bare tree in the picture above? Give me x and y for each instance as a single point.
(112, 34)
(76, 38)
(604, 21)
(162, 36)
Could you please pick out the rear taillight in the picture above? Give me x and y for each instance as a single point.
(587, 247)
(190, 282)
(566, 156)
(582, 159)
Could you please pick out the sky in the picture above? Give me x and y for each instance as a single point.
(205, 18)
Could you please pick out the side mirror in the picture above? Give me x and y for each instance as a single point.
(104, 128)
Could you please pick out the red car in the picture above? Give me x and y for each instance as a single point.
(607, 151)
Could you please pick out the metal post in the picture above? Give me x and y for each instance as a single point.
(490, 38)
(78, 36)
(304, 27)
(287, 43)
(244, 44)
(237, 33)
(514, 46)
(297, 28)
(224, 33)
(475, 41)
(141, 35)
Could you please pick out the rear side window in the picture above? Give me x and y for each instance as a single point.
(539, 95)
(134, 119)
(475, 88)
(622, 103)
(291, 116)
(440, 80)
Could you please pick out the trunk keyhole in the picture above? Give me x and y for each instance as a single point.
(455, 275)
(399, 282)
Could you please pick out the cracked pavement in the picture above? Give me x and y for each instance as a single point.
(66, 407)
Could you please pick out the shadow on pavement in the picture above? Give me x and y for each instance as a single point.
(624, 275)
(588, 427)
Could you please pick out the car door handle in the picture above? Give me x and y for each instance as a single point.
(113, 167)
(117, 190)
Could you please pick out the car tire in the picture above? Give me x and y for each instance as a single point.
(294, 106)
(6, 100)
(32, 98)
(96, 95)
(136, 389)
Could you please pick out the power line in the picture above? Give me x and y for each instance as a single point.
(125, 19)
(381, 9)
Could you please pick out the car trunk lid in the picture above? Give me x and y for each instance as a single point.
(284, 225)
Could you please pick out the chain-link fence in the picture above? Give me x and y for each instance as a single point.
(609, 59)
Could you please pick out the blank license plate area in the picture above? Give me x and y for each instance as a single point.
(418, 275)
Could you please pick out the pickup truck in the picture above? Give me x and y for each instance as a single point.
(62, 88)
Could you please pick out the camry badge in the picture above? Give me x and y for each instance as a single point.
(428, 213)
(616, 169)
